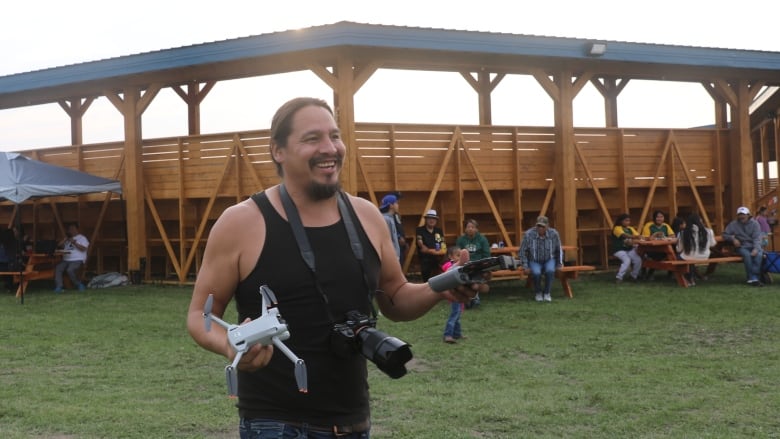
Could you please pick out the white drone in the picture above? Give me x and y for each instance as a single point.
(267, 329)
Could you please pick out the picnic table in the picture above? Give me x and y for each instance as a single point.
(38, 266)
(670, 262)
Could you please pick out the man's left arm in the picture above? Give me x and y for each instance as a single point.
(81, 242)
(397, 298)
(756, 235)
(485, 247)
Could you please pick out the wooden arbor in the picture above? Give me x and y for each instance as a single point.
(346, 55)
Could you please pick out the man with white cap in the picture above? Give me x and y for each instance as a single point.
(745, 234)
(430, 245)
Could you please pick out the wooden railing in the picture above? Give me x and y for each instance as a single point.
(500, 175)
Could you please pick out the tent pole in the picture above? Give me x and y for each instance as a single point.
(19, 249)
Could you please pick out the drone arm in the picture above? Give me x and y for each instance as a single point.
(231, 375)
(300, 366)
(216, 319)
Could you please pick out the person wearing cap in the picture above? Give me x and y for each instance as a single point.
(745, 235)
(388, 208)
(430, 245)
(540, 253)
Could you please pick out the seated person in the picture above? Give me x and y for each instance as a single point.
(623, 248)
(695, 243)
(75, 245)
(7, 256)
(656, 229)
(540, 253)
(744, 234)
(478, 248)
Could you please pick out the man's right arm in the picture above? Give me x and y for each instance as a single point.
(728, 233)
(220, 273)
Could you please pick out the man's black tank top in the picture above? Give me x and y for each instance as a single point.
(338, 386)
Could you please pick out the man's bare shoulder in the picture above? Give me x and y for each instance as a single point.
(365, 208)
(239, 215)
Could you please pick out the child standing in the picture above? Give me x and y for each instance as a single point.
(452, 329)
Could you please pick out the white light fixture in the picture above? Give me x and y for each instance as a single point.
(597, 49)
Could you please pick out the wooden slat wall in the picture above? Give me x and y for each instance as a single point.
(191, 180)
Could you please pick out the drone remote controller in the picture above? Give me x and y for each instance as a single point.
(471, 272)
(267, 329)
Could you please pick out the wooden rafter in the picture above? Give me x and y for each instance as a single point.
(547, 198)
(651, 191)
(163, 234)
(692, 184)
(484, 186)
(592, 183)
(440, 176)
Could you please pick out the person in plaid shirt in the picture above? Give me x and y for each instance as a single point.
(540, 253)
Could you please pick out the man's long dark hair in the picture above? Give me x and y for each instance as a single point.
(281, 124)
(688, 237)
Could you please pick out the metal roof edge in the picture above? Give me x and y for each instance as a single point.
(347, 33)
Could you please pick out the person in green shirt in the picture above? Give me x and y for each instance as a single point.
(656, 229)
(473, 241)
(478, 247)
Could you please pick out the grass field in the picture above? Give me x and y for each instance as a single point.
(646, 360)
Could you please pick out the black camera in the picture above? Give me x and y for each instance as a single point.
(358, 333)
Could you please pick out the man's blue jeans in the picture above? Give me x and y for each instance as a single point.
(452, 328)
(752, 263)
(269, 429)
(69, 267)
(537, 268)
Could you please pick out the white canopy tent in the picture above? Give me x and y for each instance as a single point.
(22, 178)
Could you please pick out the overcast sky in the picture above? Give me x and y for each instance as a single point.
(49, 33)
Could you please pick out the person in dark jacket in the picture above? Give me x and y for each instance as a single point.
(745, 235)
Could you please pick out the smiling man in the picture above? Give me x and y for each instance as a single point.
(257, 242)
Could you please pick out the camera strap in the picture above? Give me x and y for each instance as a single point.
(347, 216)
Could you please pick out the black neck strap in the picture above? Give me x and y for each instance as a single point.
(347, 215)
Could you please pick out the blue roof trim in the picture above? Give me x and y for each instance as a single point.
(399, 37)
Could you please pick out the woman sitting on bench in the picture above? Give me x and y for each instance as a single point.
(694, 243)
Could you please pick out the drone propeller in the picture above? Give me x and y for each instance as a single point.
(207, 312)
(300, 376)
(300, 366)
(232, 380)
(208, 317)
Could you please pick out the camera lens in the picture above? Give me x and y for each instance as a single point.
(388, 353)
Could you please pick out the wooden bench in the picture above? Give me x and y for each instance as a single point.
(564, 274)
(682, 266)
